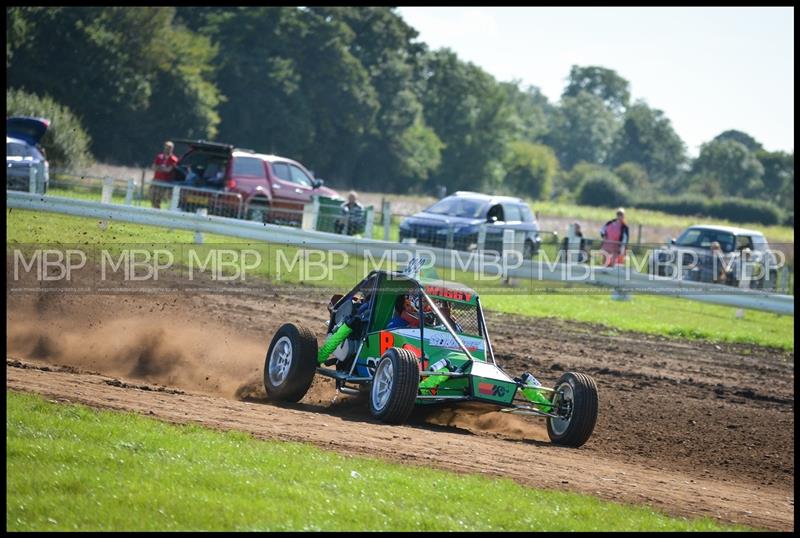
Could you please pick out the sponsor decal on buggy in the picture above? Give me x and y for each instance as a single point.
(491, 390)
(442, 339)
(458, 295)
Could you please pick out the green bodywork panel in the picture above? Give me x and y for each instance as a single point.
(492, 385)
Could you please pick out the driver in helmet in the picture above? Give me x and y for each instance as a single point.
(444, 308)
(407, 312)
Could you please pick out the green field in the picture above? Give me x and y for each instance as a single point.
(648, 314)
(70, 467)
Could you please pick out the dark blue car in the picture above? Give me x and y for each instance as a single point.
(455, 221)
(23, 152)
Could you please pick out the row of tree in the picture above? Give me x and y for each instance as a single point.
(352, 93)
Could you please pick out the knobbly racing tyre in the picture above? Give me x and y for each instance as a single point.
(394, 386)
(290, 364)
(577, 402)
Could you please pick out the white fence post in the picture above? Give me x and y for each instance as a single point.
(32, 179)
(386, 215)
(176, 197)
(745, 272)
(314, 212)
(784, 280)
(310, 214)
(370, 223)
(618, 293)
(141, 185)
(198, 235)
(40, 170)
(108, 189)
(129, 192)
(508, 240)
(509, 245)
(482, 237)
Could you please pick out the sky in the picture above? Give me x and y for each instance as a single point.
(708, 69)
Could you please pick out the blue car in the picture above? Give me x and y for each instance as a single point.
(23, 152)
(456, 220)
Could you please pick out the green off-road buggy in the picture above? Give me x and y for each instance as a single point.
(444, 359)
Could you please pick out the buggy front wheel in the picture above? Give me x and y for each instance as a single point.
(576, 403)
(394, 386)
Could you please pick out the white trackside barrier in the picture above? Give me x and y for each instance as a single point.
(615, 277)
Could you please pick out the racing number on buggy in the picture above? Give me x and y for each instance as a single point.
(387, 340)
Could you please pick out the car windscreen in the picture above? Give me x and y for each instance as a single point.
(458, 207)
(15, 149)
(702, 238)
(759, 242)
(527, 216)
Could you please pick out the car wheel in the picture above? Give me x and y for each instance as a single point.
(290, 364)
(576, 403)
(394, 386)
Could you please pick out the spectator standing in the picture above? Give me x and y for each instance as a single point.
(351, 220)
(615, 236)
(718, 273)
(709, 267)
(575, 243)
(164, 165)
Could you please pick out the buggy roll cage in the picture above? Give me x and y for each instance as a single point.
(373, 288)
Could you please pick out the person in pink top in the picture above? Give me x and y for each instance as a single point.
(164, 165)
(615, 239)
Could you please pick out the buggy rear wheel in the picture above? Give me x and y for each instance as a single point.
(291, 363)
(395, 386)
(577, 403)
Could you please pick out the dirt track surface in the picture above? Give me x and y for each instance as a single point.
(688, 428)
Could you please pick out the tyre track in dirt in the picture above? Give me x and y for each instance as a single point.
(717, 415)
(528, 462)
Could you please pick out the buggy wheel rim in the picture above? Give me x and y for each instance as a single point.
(280, 361)
(560, 425)
(382, 386)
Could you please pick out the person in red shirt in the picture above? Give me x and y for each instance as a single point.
(164, 165)
(615, 239)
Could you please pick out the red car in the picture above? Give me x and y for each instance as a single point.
(241, 183)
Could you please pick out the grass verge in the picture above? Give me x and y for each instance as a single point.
(671, 317)
(70, 467)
